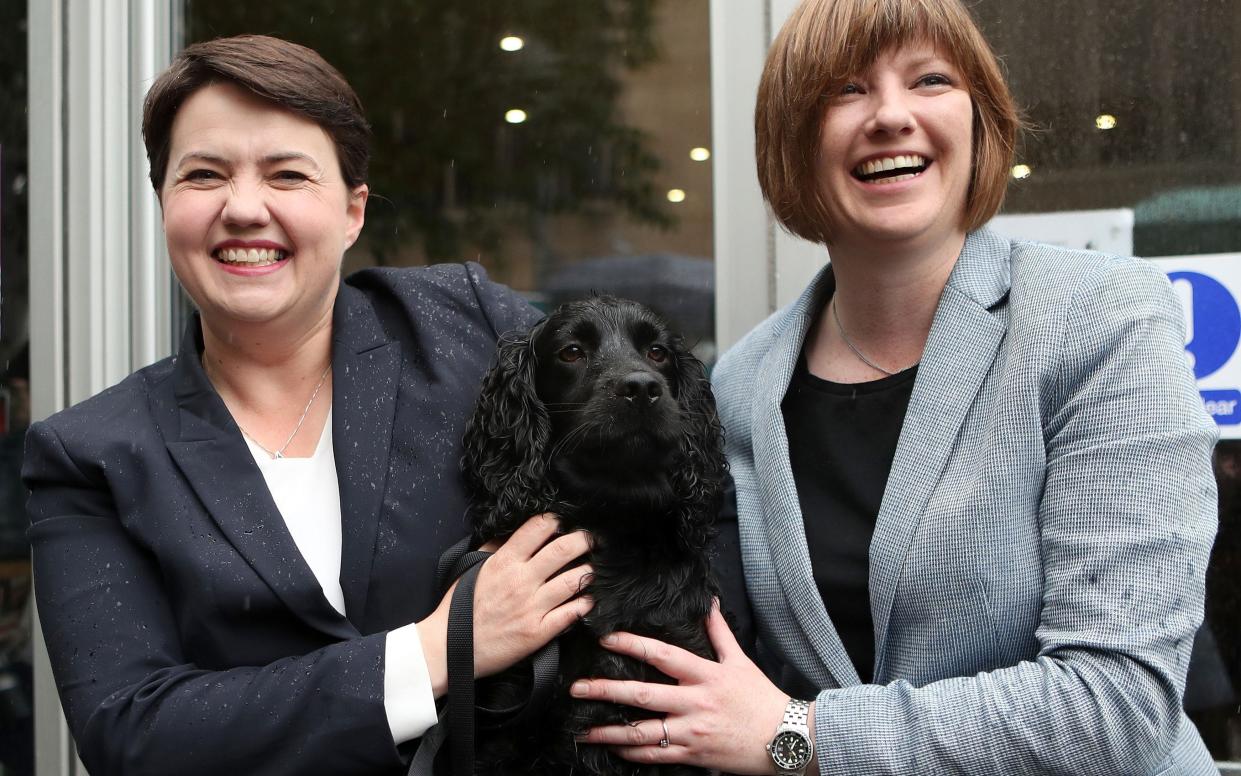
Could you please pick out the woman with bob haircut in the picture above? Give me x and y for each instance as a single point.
(973, 475)
(235, 548)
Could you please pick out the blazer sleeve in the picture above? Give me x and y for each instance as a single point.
(134, 702)
(1126, 519)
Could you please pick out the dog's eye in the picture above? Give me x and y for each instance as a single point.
(657, 353)
(570, 353)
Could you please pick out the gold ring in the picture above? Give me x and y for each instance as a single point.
(664, 742)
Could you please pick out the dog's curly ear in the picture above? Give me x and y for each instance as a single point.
(699, 478)
(504, 465)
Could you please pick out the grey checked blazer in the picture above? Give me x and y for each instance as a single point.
(1037, 566)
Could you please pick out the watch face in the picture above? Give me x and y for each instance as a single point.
(790, 750)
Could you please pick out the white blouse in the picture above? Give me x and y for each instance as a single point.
(307, 493)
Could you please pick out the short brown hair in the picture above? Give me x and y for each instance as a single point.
(827, 42)
(292, 77)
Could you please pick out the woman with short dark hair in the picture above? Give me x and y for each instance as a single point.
(235, 548)
(973, 476)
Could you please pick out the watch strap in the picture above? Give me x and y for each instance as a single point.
(796, 721)
(797, 715)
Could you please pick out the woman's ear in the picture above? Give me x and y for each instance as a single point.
(355, 213)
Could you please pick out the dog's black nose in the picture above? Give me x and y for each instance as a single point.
(637, 386)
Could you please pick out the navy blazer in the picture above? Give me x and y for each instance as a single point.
(186, 632)
(1038, 561)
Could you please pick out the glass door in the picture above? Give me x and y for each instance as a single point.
(565, 146)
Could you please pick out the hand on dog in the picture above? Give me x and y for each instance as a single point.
(522, 600)
(720, 715)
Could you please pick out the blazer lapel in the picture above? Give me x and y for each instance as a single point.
(965, 336)
(366, 379)
(786, 535)
(208, 447)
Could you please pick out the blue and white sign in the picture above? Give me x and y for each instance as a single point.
(1209, 287)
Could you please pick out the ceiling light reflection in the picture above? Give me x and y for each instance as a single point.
(1022, 171)
(1105, 121)
(512, 43)
(515, 116)
(699, 154)
(676, 195)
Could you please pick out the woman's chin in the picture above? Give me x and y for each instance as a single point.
(252, 310)
(894, 230)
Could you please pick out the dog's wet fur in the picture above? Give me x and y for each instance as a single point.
(602, 416)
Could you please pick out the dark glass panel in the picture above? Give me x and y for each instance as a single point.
(16, 721)
(572, 194)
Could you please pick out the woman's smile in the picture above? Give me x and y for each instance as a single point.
(888, 169)
(251, 257)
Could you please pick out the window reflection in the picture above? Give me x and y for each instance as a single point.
(539, 137)
(1134, 105)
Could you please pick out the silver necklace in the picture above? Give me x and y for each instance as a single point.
(278, 454)
(856, 352)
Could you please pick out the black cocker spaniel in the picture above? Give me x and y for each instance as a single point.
(603, 417)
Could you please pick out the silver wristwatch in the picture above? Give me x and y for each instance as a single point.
(792, 747)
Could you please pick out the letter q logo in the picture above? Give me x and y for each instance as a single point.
(1212, 320)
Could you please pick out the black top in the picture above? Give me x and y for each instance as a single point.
(842, 438)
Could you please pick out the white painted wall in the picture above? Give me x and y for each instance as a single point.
(759, 266)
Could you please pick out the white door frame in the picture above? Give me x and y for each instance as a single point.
(100, 284)
(759, 267)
